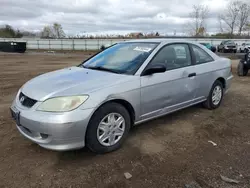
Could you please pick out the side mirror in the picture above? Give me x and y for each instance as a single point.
(155, 69)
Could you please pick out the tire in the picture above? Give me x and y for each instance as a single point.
(223, 50)
(245, 72)
(92, 140)
(245, 50)
(213, 49)
(241, 71)
(209, 103)
(235, 51)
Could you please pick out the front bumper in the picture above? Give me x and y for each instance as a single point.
(55, 131)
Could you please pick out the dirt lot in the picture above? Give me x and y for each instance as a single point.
(168, 152)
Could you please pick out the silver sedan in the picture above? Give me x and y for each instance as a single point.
(94, 104)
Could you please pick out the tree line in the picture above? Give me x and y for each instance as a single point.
(50, 31)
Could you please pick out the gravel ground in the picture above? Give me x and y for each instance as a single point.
(168, 152)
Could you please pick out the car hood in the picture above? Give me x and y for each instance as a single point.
(70, 81)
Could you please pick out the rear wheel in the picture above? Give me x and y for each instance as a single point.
(215, 96)
(108, 128)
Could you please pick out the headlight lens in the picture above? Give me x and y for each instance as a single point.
(62, 104)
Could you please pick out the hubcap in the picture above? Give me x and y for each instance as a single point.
(217, 94)
(111, 129)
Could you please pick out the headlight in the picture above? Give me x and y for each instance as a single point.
(62, 104)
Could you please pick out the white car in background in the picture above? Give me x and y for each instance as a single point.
(244, 47)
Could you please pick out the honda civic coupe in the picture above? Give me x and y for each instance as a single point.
(95, 103)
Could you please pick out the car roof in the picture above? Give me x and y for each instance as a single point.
(163, 40)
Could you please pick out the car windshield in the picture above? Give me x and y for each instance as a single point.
(230, 42)
(123, 58)
(248, 44)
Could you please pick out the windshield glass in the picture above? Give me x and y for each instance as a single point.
(230, 42)
(123, 58)
(248, 44)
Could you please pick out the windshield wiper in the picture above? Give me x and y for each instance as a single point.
(103, 69)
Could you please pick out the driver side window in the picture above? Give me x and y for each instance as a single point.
(173, 56)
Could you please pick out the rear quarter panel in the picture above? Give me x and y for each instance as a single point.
(207, 73)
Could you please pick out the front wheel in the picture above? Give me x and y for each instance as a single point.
(215, 96)
(108, 128)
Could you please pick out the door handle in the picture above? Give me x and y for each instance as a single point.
(192, 74)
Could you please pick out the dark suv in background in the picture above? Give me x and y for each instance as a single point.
(227, 46)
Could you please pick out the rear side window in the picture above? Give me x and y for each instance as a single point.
(173, 56)
(201, 56)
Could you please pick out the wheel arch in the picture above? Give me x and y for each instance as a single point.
(223, 81)
(127, 105)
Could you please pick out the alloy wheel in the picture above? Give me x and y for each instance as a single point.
(111, 129)
(217, 95)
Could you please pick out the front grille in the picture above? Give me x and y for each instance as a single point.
(231, 47)
(26, 101)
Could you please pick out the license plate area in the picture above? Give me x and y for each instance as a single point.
(15, 114)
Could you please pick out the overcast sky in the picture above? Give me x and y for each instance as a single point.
(105, 16)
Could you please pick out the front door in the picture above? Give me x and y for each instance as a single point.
(205, 75)
(174, 89)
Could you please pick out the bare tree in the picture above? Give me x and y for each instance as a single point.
(231, 15)
(47, 32)
(198, 17)
(247, 29)
(58, 30)
(54, 31)
(244, 12)
(220, 23)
